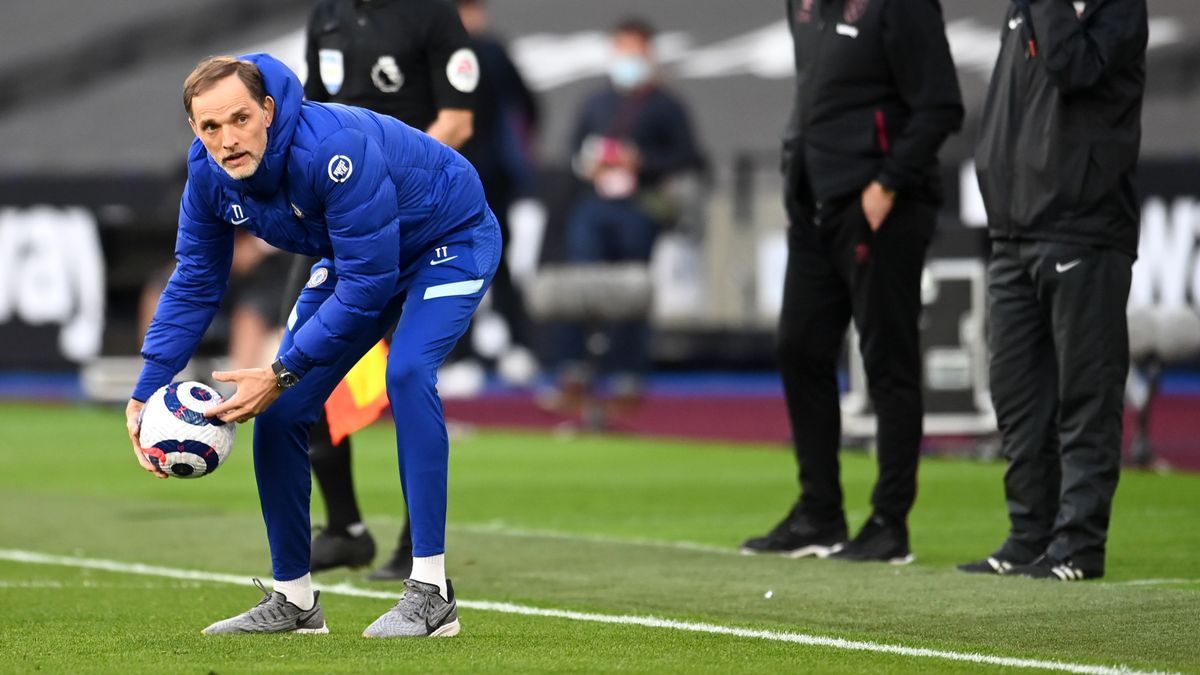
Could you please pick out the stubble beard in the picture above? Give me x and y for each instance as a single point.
(246, 170)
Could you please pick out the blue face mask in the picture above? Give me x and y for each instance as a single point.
(629, 72)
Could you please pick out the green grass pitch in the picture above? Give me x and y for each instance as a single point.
(601, 526)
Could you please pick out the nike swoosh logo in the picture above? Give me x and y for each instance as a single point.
(431, 627)
(442, 260)
(239, 222)
(1063, 267)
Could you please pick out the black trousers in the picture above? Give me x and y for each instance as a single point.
(838, 270)
(1060, 356)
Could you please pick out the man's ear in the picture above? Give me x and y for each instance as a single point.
(269, 107)
(192, 124)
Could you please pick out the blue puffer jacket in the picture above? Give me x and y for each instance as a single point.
(362, 189)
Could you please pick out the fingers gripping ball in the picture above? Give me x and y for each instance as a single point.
(177, 437)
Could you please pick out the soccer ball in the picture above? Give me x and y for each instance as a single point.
(177, 437)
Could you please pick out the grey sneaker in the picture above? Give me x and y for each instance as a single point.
(420, 613)
(273, 614)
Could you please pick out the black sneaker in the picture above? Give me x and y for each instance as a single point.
(799, 536)
(398, 568)
(331, 549)
(1047, 567)
(878, 541)
(989, 565)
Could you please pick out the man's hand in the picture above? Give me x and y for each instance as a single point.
(256, 391)
(877, 203)
(133, 412)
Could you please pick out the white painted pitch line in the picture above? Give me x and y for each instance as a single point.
(89, 585)
(1153, 582)
(35, 558)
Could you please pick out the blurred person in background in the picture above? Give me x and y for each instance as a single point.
(1056, 157)
(630, 139)
(252, 323)
(502, 150)
(876, 96)
(410, 59)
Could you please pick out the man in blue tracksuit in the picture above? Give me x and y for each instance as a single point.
(405, 238)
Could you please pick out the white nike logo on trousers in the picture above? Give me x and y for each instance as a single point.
(442, 260)
(1063, 267)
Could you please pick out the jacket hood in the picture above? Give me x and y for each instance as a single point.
(284, 86)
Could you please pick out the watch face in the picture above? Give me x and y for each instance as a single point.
(283, 377)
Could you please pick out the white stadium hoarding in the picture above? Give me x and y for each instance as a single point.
(52, 286)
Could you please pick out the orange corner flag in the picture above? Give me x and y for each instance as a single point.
(361, 396)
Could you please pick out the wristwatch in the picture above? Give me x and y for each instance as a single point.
(284, 378)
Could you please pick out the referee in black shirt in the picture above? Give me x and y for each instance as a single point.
(406, 58)
(409, 59)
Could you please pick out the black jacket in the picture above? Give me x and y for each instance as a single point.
(876, 96)
(1062, 125)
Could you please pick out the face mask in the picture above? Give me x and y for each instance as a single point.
(629, 72)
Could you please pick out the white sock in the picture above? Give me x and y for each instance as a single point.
(299, 592)
(431, 570)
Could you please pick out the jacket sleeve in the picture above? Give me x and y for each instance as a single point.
(792, 136)
(919, 57)
(314, 87)
(526, 101)
(580, 131)
(1080, 54)
(674, 149)
(349, 174)
(203, 255)
(583, 126)
(791, 133)
(521, 113)
(449, 49)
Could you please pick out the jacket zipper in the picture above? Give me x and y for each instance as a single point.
(881, 133)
